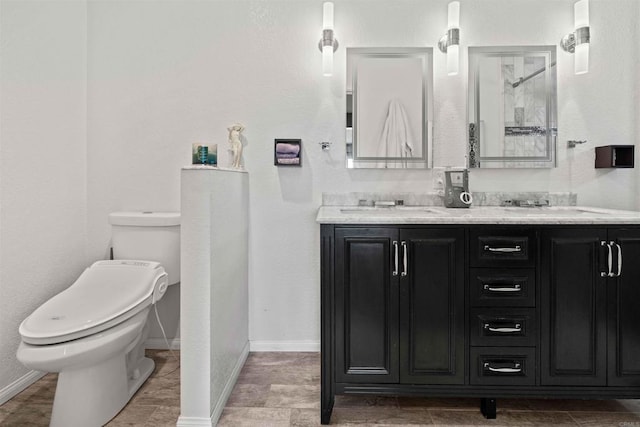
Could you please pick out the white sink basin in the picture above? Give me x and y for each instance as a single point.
(393, 210)
(555, 211)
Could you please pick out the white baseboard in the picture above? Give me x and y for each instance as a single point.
(160, 344)
(228, 387)
(285, 346)
(20, 384)
(222, 401)
(193, 422)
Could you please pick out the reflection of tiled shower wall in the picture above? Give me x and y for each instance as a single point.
(524, 107)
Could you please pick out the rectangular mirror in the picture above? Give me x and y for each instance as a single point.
(512, 107)
(389, 107)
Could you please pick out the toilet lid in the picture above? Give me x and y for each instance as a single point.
(105, 294)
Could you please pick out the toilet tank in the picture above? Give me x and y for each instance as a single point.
(148, 236)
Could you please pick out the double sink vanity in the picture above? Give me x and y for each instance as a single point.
(487, 302)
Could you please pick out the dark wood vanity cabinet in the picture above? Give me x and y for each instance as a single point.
(432, 344)
(399, 305)
(503, 329)
(590, 317)
(486, 311)
(366, 306)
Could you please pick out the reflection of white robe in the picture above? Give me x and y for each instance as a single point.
(395, 140)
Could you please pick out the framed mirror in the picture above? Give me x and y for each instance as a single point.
(389, 107)
(512, 119)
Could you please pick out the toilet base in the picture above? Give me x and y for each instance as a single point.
(92, 396)
(145, 369)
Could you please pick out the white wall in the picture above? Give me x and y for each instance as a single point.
(165, 74)
(42, 162)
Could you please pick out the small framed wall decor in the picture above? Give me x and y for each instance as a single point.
(287, 152)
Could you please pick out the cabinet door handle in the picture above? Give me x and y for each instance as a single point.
(516, 368)
(405, 262)
(504, 330)
(609, 260)
(516, 248)
(510, 288)
(395, 258)
(619, 260)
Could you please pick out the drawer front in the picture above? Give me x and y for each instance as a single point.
(502, 247)
(502, 288)
(503, 327)
(503, 366)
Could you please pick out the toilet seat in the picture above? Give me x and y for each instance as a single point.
(106, 294)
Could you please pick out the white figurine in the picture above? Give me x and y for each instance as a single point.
(236, 144)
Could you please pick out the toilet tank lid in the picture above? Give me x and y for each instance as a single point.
(145, 219)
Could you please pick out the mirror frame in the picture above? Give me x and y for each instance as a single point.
(354, 55)
(475, 160)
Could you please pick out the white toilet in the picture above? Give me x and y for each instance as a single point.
(93, 332)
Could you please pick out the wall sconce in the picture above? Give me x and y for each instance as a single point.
(328, 44)
(578, 41)
(450, 42)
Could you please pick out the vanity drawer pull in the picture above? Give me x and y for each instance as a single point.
(513, 249)
(516, 369)
(505, 330)
(508, 288)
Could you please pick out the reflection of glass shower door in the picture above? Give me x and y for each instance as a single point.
(491, 121)
(512, 93)
(525, 106)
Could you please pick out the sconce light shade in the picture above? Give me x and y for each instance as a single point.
(450, 42)
(327, 16)
(578, 41)
(453, 60)
(328, 43)
(581, 23)
(327, 61)
(453, 15)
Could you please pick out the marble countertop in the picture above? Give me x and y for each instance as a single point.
(474, 215)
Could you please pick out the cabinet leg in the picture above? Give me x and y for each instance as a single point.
(488, 407)
(325, 412)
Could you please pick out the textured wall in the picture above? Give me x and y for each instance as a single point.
(42, 161)
(180, 72)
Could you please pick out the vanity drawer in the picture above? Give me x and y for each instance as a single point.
(503, 366)
(502, 288)
(503, 327)
(502, 248)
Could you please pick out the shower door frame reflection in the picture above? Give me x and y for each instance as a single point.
(546, 131)
(401, 61)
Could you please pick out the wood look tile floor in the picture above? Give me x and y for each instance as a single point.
(283, 389)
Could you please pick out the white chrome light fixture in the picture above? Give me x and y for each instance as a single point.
(450, 42)
(328, 44)
(578, 41)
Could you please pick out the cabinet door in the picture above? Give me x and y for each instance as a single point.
(573, 307)
(624, 315)
(432, 306)
(366, 328)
